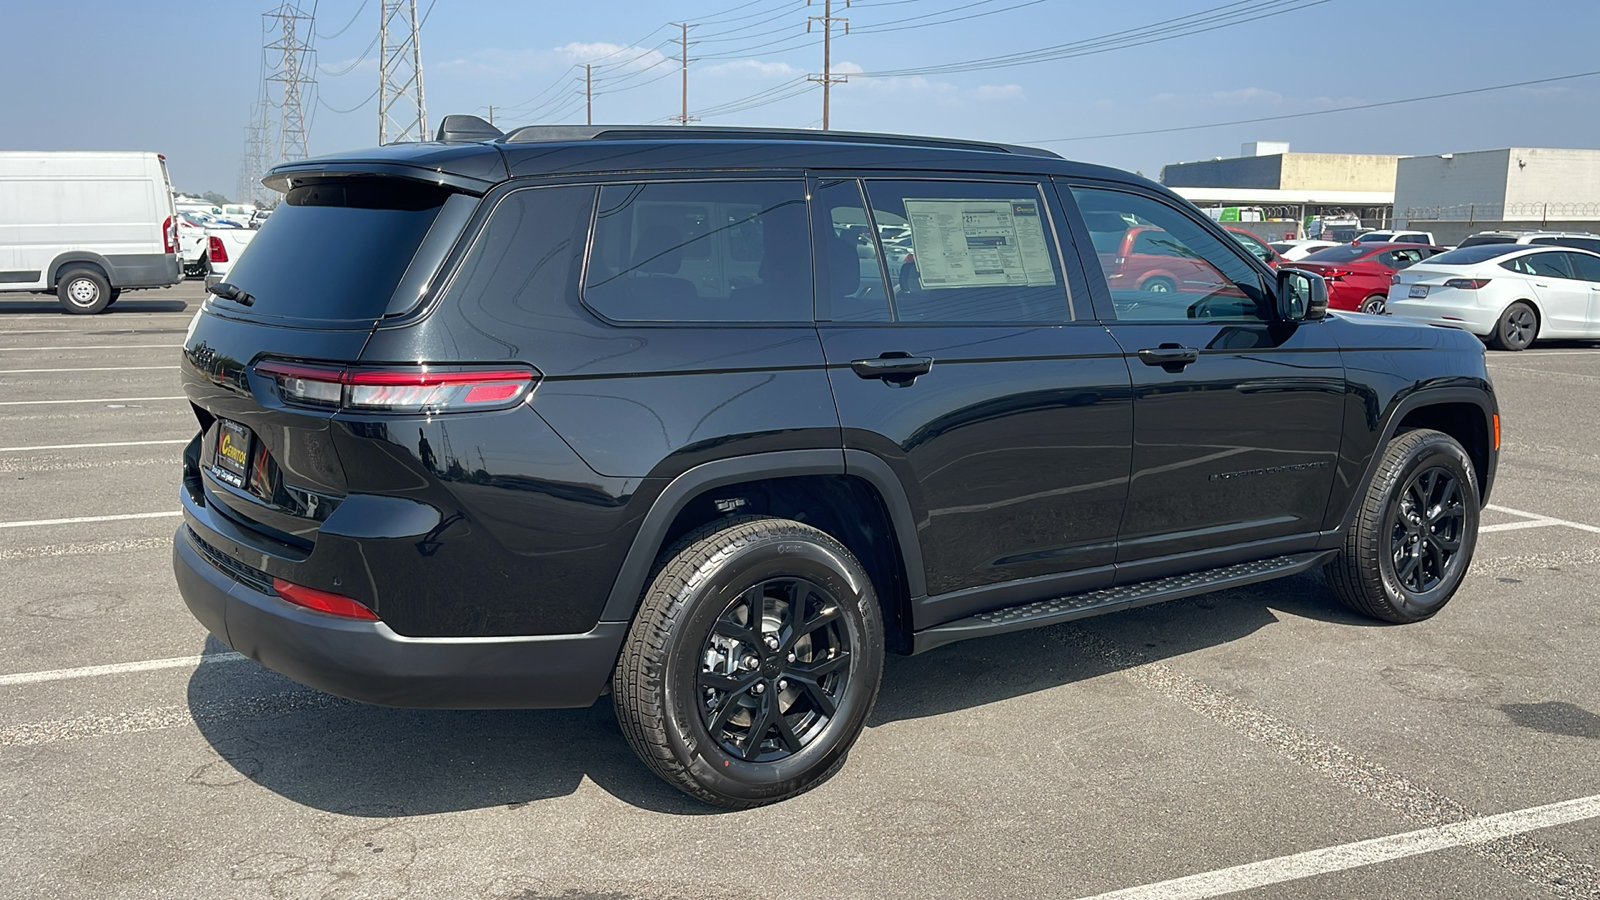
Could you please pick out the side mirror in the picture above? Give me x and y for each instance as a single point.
(1302, 296)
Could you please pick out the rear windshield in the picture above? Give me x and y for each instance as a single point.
(1346, 253)
(336, 250)
(1478, 240)
(1466, 256)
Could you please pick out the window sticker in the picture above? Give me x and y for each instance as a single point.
(979, 243)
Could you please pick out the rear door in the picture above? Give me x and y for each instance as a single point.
(964, 367)
(1237, 416)
(320, 275)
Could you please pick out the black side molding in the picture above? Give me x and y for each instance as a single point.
(1128, 596)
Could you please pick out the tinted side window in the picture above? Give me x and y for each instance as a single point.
(1588, 266)
(529, 251)
(1198, 276)
(708, 251)
(1548, 265)
(850, 283)
(969, 251)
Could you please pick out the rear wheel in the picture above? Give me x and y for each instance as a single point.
(83, 291)
(1412, 539)
(753, 662)
(1160, 286)
(1517, 328)
(1374, 305)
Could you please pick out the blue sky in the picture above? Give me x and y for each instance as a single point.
(180, 78)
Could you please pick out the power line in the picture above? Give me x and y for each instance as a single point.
(359, 10)
(1322, 112)
(880, 29)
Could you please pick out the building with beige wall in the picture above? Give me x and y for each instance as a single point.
(1518, 186)
(1291, 186)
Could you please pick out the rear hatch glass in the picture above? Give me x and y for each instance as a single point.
(334, 252)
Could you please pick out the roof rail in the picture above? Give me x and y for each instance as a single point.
(546, 133)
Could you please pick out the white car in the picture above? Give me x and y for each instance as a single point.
(1507, 294)
(1395, 237)
(1300, 248)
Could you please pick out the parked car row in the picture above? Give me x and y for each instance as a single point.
(1507, 294)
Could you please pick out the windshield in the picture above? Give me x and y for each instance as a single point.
(1375, 237)
(1343, 253)
(1467, 256)
(336, 250)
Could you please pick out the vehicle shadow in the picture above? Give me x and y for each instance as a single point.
(339, 756)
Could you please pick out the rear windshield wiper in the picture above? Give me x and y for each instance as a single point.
(232, 292)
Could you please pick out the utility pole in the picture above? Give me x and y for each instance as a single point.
(256, 139)
(685, 118)
(827, 77)
(400, 74)
(294, 73)
(588, 93)
(491, 114)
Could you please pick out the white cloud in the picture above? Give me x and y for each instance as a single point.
(753, 67)
(1247, 95)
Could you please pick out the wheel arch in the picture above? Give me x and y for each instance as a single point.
(79, 257)
(851, 495)
(1466, 414)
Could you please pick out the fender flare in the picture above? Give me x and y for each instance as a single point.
(77, 256)
(1405, 405)
(629, 584)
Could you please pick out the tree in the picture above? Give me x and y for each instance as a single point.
(214, 198)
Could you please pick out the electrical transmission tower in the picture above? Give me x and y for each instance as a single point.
(257, 137)
(402, 114)
(291, 38)
(827, 77)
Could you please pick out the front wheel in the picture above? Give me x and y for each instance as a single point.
(1516, 329)
(753, 662)
(1160, 286)
(1412, 539)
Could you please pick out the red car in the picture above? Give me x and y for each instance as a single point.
(1358, 274)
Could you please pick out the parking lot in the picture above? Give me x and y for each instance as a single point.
(1259, 742)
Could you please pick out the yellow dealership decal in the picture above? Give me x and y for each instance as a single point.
(230, 450)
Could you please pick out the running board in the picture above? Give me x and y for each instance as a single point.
(1128, 596)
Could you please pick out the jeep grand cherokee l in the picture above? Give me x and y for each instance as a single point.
(515, 420)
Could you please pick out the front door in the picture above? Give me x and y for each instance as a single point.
(961, 365)
(1237, 416)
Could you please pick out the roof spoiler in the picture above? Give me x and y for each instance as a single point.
(467, 128)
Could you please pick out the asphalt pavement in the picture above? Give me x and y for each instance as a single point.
(1259, 742)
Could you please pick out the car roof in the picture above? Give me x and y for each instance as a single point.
(585, 150)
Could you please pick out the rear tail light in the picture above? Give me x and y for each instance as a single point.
(1466, 284)
(218, 252)
(400, 388)
(169, 236)
(323, 601)
(1334, 274)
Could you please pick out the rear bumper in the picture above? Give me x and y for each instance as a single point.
(369, 662)
(145, 270)
(1445, 307)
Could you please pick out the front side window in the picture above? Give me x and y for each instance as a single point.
(969, 251)
(1162, 265)
(705, 251)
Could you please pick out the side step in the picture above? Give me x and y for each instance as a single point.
(1127, 596)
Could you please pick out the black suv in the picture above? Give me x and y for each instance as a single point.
(715, 418)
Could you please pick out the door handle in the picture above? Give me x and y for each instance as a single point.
(896, 367)
(1172, 357)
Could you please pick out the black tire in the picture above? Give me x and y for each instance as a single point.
(1374, 573)
(1516, 329)
(666, 687)
(1159, 286)
(116, 294)
(83, 291)
(1374, 305)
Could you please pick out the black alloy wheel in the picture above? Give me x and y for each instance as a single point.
(774, 666)
(1408, 547)
(753, 662)
(1517, 328)
(1429, 520)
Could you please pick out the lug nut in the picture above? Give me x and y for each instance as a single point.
(783, 684)
(758, 687)
(772, 642)
(791, 656)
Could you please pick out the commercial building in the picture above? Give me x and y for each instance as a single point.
(1517, 188)
(1291, 186)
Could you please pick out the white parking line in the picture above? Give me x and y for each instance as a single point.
(82, 520)
(94, 446)
(94, 400)
(1362, 853)
(1540, 520)
(97, 347)
(1515, 526)
(147, 665)
(85, 369)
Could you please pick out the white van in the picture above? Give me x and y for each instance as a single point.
(86, 225)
